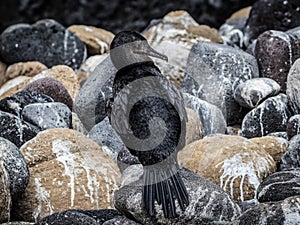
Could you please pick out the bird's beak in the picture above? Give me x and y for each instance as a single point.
(147, 50)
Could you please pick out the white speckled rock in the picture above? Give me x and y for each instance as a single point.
(291, 159)
(17, 223)
(5, 198)
(68, 170)
(235, 163)
(293, 87)
(252, 92)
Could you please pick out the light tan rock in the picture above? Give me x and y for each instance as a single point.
(28, 69)
(67, 171)
(275, 146)
(3, 78)
(194, 129)
(13, 86)
(97, 40)
(233, 162)
(244, 12)
(5, 197)
(174, 36)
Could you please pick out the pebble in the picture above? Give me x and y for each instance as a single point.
(46, 41)
(214, 71)
(210, 115)
(291, 159)
(97, 40)
(292, 90)
(293, 126)
(53, 88)
(28, 69)
(234, 163)
(271, 15)
(252, 92)
(5, 197)
(209, 204)
(279, 186)
(268, 117)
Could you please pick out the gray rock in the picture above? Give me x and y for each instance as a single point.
(272, 213)
(5, 197)
(291, 159)
(210, 115)
(105, 136)
(16, 167)
(270, 116)
(245, 205)
(48, 115)
(121, 221)
(252, 92)
(279, 186)
(293, 126)
(131, 174)
(126, 159)
(90, 103)
(213, 73)
(281, 134)
(209, 204)
(292, 90)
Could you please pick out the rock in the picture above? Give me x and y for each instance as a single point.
(126, 159)
(268, 117)
(67, 170)
(5, 197)
(16, 167)
(17, 223)
(101, 215)
(209, 204)
(234, 163)
(275, 146)
(271, 15)
(28, 69)
(121, 221)
(276, 52)
(105, 136)
(90, 106)
(89, 66)
(65, 75)
(131, 174)
(291, 159)
(292, 87)
(53, 88)
(48, 115)
(281, 134)
(13, 86)
(46, 41)
(293, 126)
(213, 73)
(3, 78)
(242, 13)
(97, 40)
(174, 36)
(210, 116)
(272, 213)
(245, 205)
(194, 128)
(77, 124)
(279, 186)
(252, 92)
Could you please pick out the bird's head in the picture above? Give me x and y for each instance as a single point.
(129, 47)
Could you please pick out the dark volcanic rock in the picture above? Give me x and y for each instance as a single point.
(279, 186)
(53, 88)
(270, 116)
(252, 92)
(293, 126)
(101, 216)
(126, 159)
(291, 159)
(214, 71)
(121, 221)
(15, 166)
(46, 41)
(272, 15)
(272, 213)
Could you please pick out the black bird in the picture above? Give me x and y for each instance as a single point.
(148, 113)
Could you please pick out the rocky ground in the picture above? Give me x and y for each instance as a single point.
(61, 162)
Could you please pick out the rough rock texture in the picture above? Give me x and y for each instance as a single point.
(293, 126)
(291, 159)
(16, 167)
(214, 71)
(273, 213)
(53, 88)
(13, 86)
(194, 129)
(46, 41)
(28, 69)
(210, 116)
(90, 105)
(126, 159)
(3, 78)
(281, 134)
(292, 89)
(96, 39)
(77, 124)
(209, 204)
(5, 197)
(279, 186)
(270, 116)
(234, 163)
(65, 75)
(275, 146)
(17, 223)
(67, 170)
(174, 36)
(252, 92)
(121, 221)
(272, 15)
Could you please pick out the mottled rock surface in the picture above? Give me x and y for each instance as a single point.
(292, 90)
(28, 69)
(3, 78)
(194, 129)
(126, 159)
(13, 86)
(121, 220)
(293, 126)
(291, 159)
(5, 197)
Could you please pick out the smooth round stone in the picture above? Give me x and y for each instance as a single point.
(13, 86)
(268, 117)
(46, 41)
(242, 13)
(234, 163)
(16, 168)
(293, 126)
(279, 186)
(28, 69)
(5, 197)
(252, 92)
(53, 88)
(291, 159)
(293, 90)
